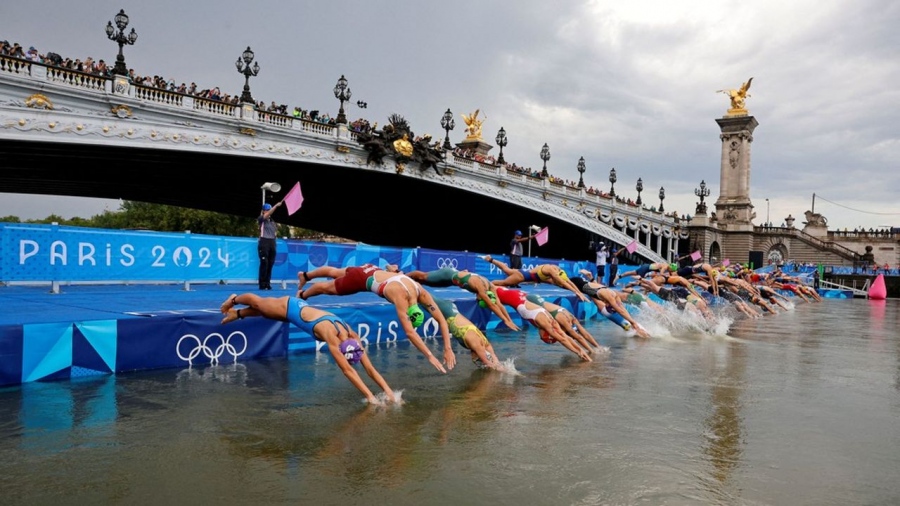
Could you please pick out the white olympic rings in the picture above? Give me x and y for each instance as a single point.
(447, 262)
(213, 355)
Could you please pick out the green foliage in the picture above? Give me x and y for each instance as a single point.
(162, 218)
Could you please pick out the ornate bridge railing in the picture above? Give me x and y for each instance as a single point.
(79, 96)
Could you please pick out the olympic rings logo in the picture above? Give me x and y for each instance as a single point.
(212, 350)
(447, 262)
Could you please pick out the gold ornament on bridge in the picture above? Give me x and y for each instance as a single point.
(473, 125)
(403, 146)
(248, 131)
(38, 101)
(122, 111)
(738, 97)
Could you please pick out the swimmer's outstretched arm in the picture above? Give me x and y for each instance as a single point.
(449, 356)
(416, 340)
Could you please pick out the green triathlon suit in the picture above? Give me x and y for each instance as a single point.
(442, 277)
(450, 312)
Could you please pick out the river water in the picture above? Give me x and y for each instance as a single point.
(798, 408)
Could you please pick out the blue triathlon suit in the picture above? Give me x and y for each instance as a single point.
(296, 305)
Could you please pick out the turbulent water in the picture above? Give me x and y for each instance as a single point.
(796, 408)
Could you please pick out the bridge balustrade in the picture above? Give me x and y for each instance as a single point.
(171, 104)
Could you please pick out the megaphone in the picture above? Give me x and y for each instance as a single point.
(535, 228)
(272, 187)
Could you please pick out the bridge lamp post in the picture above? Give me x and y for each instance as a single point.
(272, 187)
(244, 67)
(703, 192)
(612, 182)
(121, 38)
(581, 169)
(342, 92)
(501, 141)
(447, 123)
(767, 212)
(662, 196)
(545, 155)
(639, 188)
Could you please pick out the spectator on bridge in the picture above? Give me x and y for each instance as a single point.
(515, 249)
(266, 245)
(343, 343)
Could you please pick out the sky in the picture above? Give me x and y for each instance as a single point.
(631, 85)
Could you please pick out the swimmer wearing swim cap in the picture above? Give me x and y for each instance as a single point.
(416, 315)
(342, 342)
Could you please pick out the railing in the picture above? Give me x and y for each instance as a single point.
(214, 107)
(158, 95)
(15, 66)
(180, 103)
(843, 251)
(78, 79)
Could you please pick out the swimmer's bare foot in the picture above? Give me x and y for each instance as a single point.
(228, 304)
(302, 278)
(231, 315)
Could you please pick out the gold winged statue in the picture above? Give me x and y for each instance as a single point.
(737, 98)
(473, 125)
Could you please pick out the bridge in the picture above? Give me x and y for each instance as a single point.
(64, 132)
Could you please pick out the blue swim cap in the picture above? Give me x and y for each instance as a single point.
(518, 232)
(266, 207)
(352, 350)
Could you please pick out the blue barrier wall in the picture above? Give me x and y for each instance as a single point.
(52, 253)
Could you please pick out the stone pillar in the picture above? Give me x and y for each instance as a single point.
(733, 208)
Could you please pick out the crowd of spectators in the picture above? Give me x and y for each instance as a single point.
(100, 68)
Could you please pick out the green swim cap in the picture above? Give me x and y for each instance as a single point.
(491, 295)
(416, 315)
(673, 267)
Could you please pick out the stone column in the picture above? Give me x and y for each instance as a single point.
(733, 208)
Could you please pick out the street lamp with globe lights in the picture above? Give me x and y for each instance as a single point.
(447, 123)
(612, 182)
(120, 38)
(639, 188)
(545, 155)
(581, 169)
(342, 92)
(501, 141)
(701, 192)
(244, 66)
(662, 196)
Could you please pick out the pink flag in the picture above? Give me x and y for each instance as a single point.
(294, 199)
(726, 262)
(632, 246)
(543, 236)
(696, 256)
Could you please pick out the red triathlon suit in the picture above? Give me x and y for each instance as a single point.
(354, 279)
(510, 296)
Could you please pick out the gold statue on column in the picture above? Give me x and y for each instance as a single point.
(737, 99)
(473, 125)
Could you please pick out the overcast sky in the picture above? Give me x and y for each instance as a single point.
(630, 85)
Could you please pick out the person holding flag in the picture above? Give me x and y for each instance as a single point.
(265, 247)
